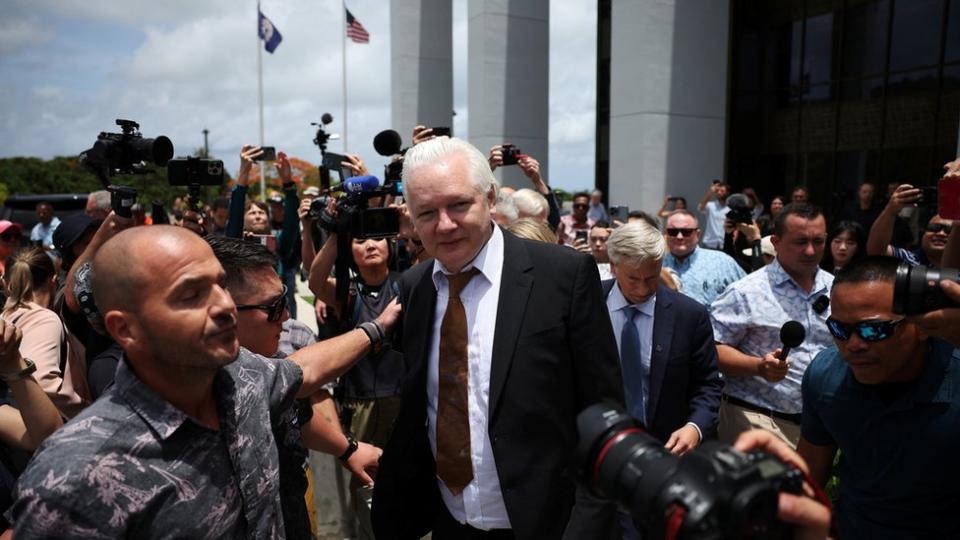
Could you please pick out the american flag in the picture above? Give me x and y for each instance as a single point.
(355, 31)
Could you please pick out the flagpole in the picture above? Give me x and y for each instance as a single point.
(263, 183)
(343, 63)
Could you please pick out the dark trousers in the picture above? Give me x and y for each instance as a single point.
(447, 528)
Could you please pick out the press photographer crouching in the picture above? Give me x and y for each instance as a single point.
(886, 397)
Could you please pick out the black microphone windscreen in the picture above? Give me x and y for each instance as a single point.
(792, 334)
(387, 142)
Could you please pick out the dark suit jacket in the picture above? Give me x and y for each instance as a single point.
(685, 383)
(554, 354)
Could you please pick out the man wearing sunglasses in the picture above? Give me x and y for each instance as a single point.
(576, 220)
(704, 273)
(933, 241)
(887, 396)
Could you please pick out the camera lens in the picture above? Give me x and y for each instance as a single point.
(917, 289)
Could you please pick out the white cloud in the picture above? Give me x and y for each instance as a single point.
(18, 33)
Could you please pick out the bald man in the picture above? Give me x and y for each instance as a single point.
(182, 444)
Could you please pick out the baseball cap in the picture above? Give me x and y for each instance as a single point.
(71, 228)
(312, 191)
(6, 225)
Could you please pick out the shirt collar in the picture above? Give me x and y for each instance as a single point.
(688, 260)
(162, 417)
(781, 277)
(489, 260)
(618, 302)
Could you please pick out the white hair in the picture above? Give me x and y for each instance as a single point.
(635, 243)
(506, 207)
(101, 200)
(429, 152)
(529, 203)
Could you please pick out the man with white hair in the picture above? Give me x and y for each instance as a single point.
(670, 375)
(531, 204)
(505, 341)
(98, 204)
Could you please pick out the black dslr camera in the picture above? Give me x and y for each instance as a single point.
(125, 153)
(717, 491)
(740, 209)
(917, 289)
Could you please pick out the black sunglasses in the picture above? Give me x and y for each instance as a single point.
(274, 310)
(939, 227)
(581, 205)
(672, 231)
(871, 331)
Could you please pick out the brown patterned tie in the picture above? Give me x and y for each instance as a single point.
(453, 424)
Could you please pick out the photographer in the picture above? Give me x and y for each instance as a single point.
(531, 169)
(885, 397)
(715, 213)
(251, 217)
(932, 242)
(369, 393)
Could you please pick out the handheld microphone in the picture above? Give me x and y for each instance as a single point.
(358, 184)
(792, 335)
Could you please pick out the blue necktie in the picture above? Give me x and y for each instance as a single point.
(631, 361)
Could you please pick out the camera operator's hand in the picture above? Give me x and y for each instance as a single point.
(772, 368)
(194, 222)
(364, 462)
(750, 230)
(406, 222)
(355, 164)
(905, 195)
(952, 170)
(943, 323)
(581, 245)
(496, 157)
(811, 518)
(248, 153)
(729, 226)
(389, 316)
(284, 170)
(303, 211)
(320, 310)
(531, 168)
(421, 134)
(683, 440)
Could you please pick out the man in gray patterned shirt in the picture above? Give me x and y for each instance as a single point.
(181, 447)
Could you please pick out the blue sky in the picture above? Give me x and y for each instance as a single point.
(68, 69)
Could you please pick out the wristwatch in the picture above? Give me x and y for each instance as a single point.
(351, 448)
(19, 375)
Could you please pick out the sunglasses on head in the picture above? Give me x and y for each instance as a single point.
(939, 227)
(274, 310)
(673, 231)
(871, 331)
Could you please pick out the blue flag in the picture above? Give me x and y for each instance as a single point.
(268, 33)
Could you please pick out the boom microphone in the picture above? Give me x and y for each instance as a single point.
(387, 142)
(792, 335)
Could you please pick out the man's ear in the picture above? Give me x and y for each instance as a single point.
(122, 327)
(492, 198)
(775, 240)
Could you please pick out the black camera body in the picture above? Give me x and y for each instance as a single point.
(740, 210)
(722, 492)
(122, 199)
(125, 153)
(192, 170)
(917, 289)
(511, 154)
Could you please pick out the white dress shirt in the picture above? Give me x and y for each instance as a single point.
(480, 504)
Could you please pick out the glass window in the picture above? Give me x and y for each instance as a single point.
(865, 39)
(748, 56)
(916, 34)
(952, 54)
(818, 50)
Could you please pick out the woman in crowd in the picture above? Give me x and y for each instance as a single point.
(10, 237)
(767, 220)
(845, 244)
(679, 203)
(61, 370)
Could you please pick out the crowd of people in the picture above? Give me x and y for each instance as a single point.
(157, 382)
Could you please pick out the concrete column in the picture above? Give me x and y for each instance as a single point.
(509, 77)
(421, 67)
(668, 98)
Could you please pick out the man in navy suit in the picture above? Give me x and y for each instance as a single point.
(668, 357)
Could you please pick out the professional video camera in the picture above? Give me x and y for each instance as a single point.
(388, 143)
(740, 209)
(194, 172)
(354, 215)
(711, 493)
(125, 153)
(917, 289)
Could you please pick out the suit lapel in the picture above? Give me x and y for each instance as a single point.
(663, 322)
(515, 286)
(418, 314)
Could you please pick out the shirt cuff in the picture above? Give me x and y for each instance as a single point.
(696, 427)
